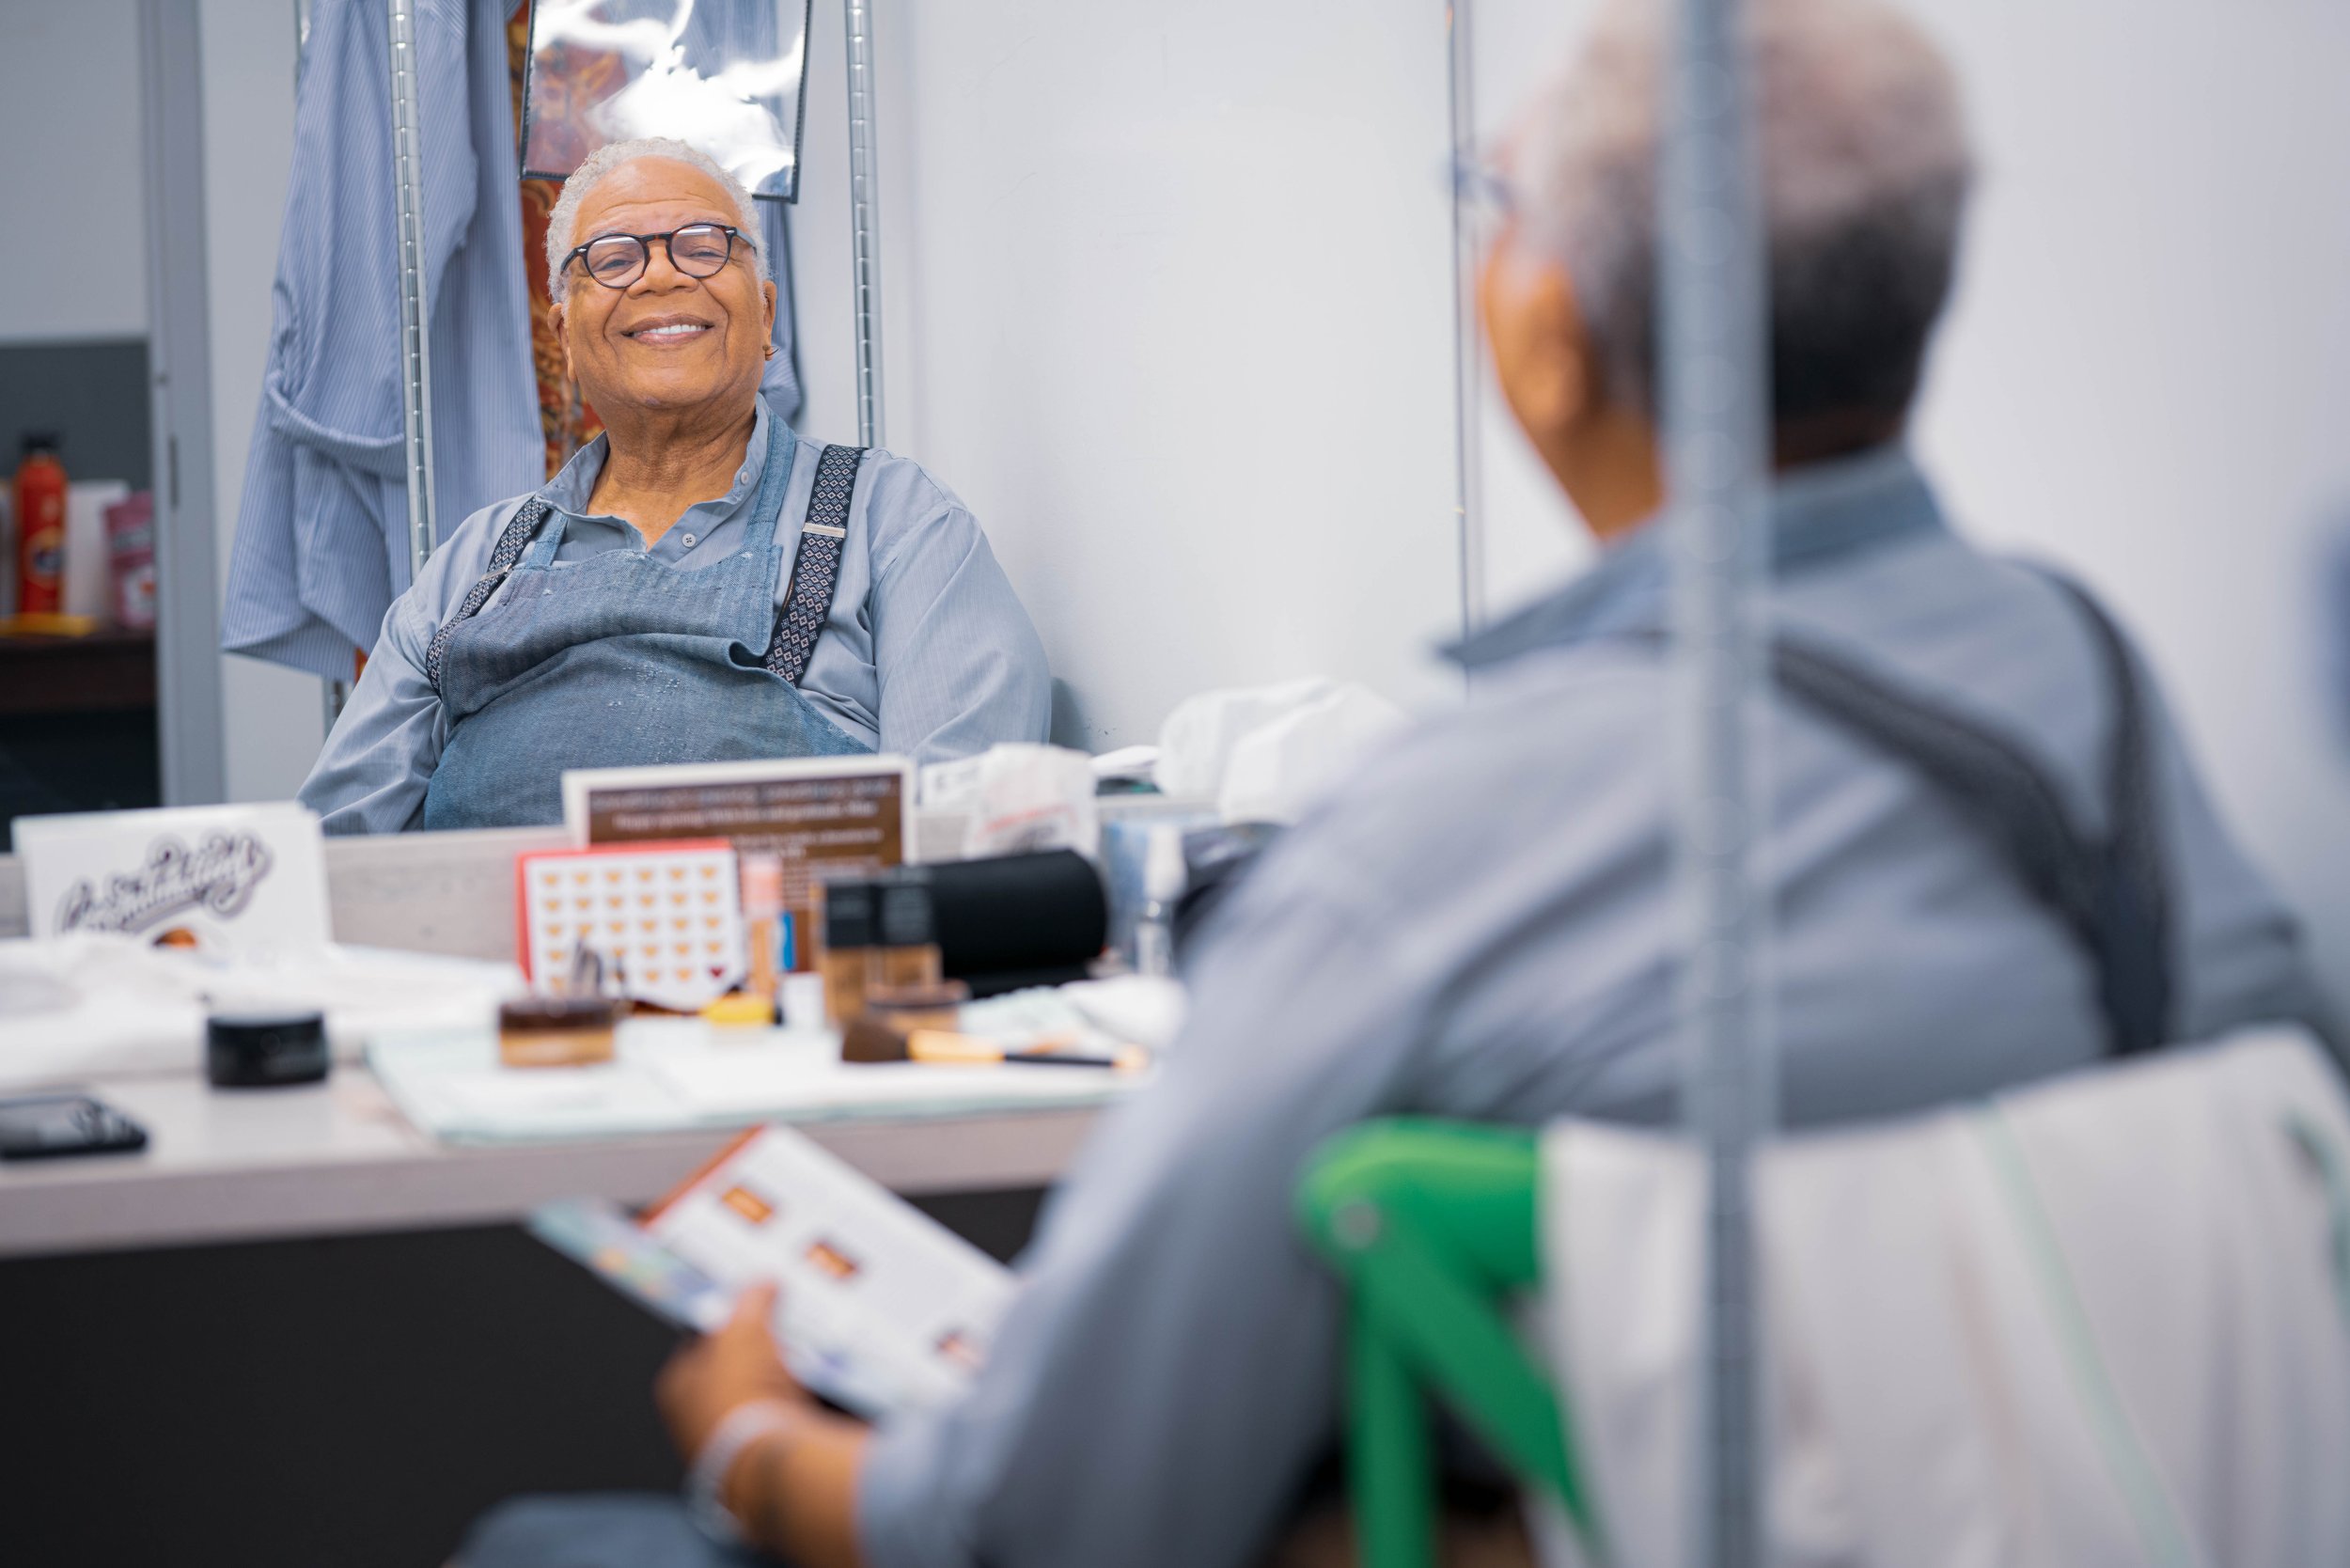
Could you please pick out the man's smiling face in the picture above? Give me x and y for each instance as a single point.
(668, 341)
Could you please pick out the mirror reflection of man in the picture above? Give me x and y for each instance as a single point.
(1479, 923)
(697, 584)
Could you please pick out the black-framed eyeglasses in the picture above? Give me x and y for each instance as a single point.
(1479, 185)
(697, 250)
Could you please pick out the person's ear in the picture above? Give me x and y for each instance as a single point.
(767, 297)
(1542, 355)
(557, 315)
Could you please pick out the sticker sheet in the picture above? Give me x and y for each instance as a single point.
(666, 919)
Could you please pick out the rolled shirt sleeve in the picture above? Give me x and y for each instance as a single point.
(370, 776)
(928, 651)
(961, 666)
(1169, 1371)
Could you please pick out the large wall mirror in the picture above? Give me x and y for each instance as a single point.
(722, 75)
(1178, 320)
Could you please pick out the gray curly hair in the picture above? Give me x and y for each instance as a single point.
(1864, 175)
(597, 165)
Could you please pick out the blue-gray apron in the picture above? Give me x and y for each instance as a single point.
(622, 661)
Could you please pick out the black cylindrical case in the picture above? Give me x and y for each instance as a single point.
(262, 1050)
(1018, 921)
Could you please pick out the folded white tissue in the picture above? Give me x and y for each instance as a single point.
(90, 1005)
(1092, 1015)
(1128, 765)
(1266, 753)
(1018, 797)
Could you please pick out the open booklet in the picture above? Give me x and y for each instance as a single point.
(880, 1308)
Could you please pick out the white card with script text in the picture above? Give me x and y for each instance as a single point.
(223, 878)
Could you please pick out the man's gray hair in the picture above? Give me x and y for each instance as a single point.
(605, 161)
(1864, 166)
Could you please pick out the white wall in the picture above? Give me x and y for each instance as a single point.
(1155, 279)
(70, 120)
(2146, 372)
(273, 717)
(1169, 303)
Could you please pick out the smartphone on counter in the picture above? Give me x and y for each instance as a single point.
(48, 1127)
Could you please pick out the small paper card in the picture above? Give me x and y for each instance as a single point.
(229, 879)
(824, 817)
(666, 917)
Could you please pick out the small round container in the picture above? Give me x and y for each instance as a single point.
(265, 1050)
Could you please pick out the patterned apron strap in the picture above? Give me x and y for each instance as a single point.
(520, 530)
(816, 567)
(2114, 894)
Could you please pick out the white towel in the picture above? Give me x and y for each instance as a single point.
(2103, 1320)
(93, 1005)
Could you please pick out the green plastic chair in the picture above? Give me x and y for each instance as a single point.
(1432, 1226)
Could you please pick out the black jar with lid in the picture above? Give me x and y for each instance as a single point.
(265, 1050)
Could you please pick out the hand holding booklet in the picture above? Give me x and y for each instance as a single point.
(881, 1308)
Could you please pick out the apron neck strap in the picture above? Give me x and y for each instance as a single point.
(548, 540)
(775, 478)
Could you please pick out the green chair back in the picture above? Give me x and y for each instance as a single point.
(1432, 1226)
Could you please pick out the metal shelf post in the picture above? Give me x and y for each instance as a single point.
(1469, 340)
(416, 336)
(865, 222)
(1715, 404)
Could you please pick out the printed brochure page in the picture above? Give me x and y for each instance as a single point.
(881, 1307)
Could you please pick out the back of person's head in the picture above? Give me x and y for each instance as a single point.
(1864, 173)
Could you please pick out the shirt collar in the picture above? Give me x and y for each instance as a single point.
(575, 483)
(1818, 513)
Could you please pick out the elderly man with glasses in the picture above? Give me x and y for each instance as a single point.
(698, 583)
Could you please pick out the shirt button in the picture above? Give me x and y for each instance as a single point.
(689, 541)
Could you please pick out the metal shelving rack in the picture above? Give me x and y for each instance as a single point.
(864, 222)
(1714, 379)
(416, 336)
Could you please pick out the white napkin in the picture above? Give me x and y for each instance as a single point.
(98, 1005)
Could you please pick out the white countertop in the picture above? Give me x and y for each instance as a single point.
(334, 1158)
(242, 1165)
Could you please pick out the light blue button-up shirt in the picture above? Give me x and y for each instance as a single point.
(927, 650)
(1482, 925)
